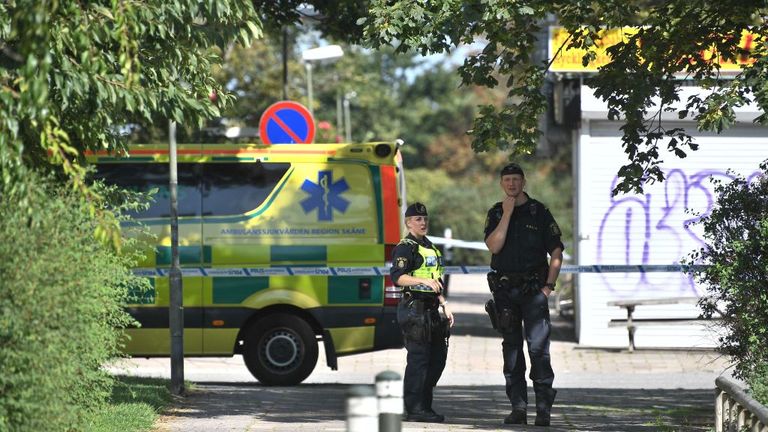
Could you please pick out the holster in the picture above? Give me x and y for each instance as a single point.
(420, 321)
(503, 314)
(490, 309)
(497, 281)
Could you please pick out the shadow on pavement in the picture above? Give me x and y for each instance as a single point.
(466, 407)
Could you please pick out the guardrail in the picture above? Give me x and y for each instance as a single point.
(735, 410)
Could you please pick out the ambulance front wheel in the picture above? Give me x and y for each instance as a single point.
(280, 349)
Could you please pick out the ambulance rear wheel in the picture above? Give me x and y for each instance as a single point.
(280, 349)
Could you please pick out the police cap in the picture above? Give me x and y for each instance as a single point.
(416, 209)
(512, 168)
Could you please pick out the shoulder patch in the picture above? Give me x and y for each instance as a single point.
(554, 229)
(401, 262)
(496, 212)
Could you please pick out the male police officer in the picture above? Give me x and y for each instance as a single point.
(520, 232)
(416, 268)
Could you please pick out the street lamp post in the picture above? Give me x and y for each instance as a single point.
(310, 96)
(347, 121)
(327, 52)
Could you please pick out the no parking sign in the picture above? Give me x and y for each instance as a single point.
(287, 122)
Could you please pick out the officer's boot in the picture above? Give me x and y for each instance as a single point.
(544, 400)
(517, 416)
(438, 418)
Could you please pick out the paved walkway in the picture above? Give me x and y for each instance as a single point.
(599, 390)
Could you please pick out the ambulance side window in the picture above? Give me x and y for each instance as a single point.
(237, 188)
(145, 177)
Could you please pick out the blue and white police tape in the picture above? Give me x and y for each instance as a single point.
(384, 270)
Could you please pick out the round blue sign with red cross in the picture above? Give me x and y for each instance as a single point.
(287, 122)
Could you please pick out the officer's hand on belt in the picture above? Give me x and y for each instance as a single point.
(434, 284)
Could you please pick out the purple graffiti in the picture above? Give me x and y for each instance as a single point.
(655, 229)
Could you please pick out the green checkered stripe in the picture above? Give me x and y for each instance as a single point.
(232, 285)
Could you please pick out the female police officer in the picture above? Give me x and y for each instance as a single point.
(416, 268)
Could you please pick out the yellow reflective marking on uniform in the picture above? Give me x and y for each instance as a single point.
(351, 339)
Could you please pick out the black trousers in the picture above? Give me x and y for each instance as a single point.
(531, 322)
(427, 353)
(426, 362)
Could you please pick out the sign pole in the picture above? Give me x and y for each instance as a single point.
(285, 62)
(176, 306)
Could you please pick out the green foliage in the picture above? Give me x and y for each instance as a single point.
(736, 272)
(72, 73)
(644, 68)
(133, 406)
(462, 203)
(441, 194)
(758, 383)
(60, 308)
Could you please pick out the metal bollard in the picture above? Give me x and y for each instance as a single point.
(389, 390)
(362, 414)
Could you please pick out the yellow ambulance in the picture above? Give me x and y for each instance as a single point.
(281, 247)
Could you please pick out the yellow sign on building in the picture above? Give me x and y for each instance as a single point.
(570, 59)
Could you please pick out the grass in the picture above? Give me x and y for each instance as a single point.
(134, 406)
(680, 419)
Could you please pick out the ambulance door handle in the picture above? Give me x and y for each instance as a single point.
(364, 289)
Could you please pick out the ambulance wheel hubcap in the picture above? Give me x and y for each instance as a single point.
(282, 349)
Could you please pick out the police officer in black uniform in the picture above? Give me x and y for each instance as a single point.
(422, 313)
(521, 232)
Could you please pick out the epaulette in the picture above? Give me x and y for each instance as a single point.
(412, 243)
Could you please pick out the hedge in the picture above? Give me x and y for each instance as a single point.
(60, 309)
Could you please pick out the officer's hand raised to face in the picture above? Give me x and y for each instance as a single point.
(508, 205)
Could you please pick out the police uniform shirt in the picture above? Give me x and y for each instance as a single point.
(406, 258)
(532, 235)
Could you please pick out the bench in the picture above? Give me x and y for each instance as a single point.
(632, 323)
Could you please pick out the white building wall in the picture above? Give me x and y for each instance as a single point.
(648, 229)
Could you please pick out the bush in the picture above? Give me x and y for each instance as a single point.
(60, 309)
(736, 274)
(758, 383)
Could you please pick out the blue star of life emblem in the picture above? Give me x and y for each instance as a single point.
(325, 195)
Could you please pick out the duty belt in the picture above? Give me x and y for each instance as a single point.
(424, 301)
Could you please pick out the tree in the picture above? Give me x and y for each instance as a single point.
(736, 275)
(72, 74)
(668, 44)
